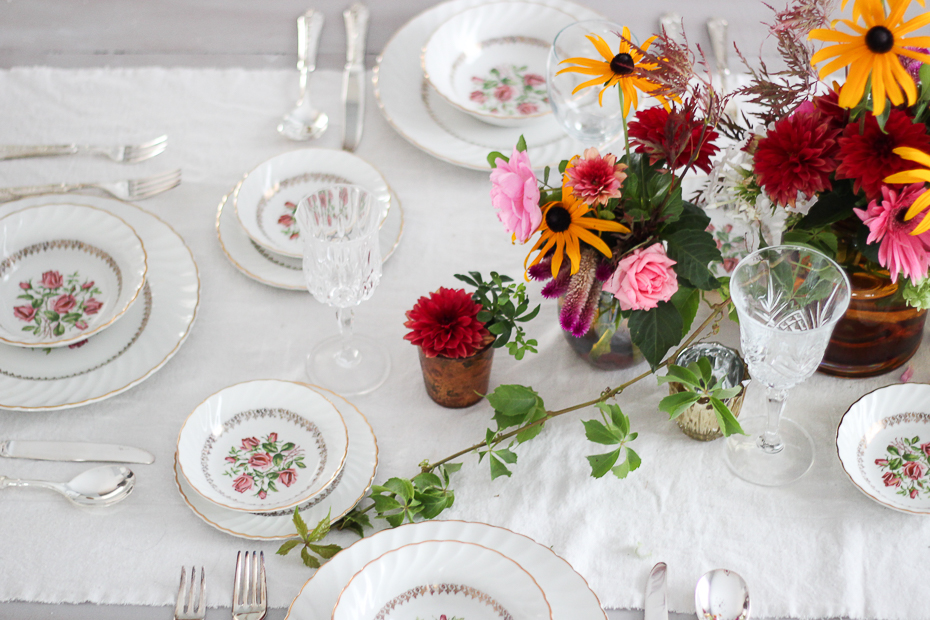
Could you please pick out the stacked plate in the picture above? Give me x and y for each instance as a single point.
(438, 112)
(449, 569)
(256, 225)
(78, 280)
(253, 452)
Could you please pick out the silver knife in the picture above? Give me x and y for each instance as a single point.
(353, 78)
(655, 605)
(74, 451)
(717, 29)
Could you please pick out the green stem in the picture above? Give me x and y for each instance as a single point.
(626, 136)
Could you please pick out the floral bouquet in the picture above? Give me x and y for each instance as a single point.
(617, 223)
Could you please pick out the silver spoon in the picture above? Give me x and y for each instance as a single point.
(100, 486)
(721, 595)
(305, 122)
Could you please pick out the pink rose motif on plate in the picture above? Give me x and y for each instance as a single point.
(477, 96)
(288, 222)
(503, 93)
(51, 279)
(242, 483)
(78, 344)
(509, 90)
(88, 285)
(643, 279)
(59, 305)
(24, 313)
(907, 467)
(527, 108)
(534, 79)
(92, 306)
(265, 462)
(81, 325)
(64, 304)
(25, 285)
(515, 196)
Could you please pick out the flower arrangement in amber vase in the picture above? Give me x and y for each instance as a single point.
(845, 165)
(457, 332)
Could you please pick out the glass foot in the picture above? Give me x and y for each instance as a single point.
(750, 462)
(366, 371)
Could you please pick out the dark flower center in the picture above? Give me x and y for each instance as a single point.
(558, 219)
(879, 40)
(622, 64)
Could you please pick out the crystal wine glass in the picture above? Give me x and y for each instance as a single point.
(342, 266)
(788, 299)
(580, 114)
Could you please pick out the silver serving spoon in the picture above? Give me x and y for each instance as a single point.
(721, 595)
(305, 122)
(100, 486)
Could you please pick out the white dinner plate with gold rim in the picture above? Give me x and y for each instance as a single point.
(421, 116)
(340, 497)
(567, 592)
(129, 351)
(266, 199)
(67, 272)
(883, 443)
(278, 270)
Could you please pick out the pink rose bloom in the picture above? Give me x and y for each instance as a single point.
(643, 279)
(527, 108)
(881, 462)
(249, 442)
(729, 264)
(287, 477)
(64, 304)
(913, 470)
(503, 93)
(477, 96)
(24, 313)
(294, 235)
(230, 459)
(533, 79)
(891, 480)
(87, 285)
(92, 306)
(25, 286)
(913, 493)
(51, 279)
(925, 448)
(262, 494)
(81, 325)
(286, 220)
(243, 483)
(272, 437)
(260, 460)
(515, 196)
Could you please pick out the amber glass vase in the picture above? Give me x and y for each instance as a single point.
(879, 331)
(457, 382)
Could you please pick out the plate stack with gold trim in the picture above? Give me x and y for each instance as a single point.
(256, 225)
(253, 452)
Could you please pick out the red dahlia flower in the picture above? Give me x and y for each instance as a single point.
(673, 136)
(797, 155)
(445, 324)
(866, 154)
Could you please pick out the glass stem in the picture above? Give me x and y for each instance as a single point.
(348, 356)
(769, 441)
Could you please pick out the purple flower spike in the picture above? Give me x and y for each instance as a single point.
(579, 304)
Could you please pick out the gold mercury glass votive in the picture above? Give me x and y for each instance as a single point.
(699, 420)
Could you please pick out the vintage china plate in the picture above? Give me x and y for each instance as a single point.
(133, 348)
(423, 118)
(567, 592)
(276, 269)
(437, 578)
(267, 198)
(883, 442)
(339, 498)
(262, 446)
(490, 61)
(67, 272)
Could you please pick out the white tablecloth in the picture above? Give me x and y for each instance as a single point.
(816, 548)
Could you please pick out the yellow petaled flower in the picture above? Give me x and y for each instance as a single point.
(564, 227)
(620, 68)
(857, 10)
(919, 175)
(872, 51)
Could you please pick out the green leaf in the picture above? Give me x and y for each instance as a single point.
(725, 393)
(692, 218)
(50, 315)
(401, 487)
(633, 459)
(321, 529)
(694, 251)
(268, 447)
(308, 559)
(675, 404)
(601, 463)
(302, 529)
(395, 519)
(597, 432)
(277, 459)
(893, 450)
(631, 463)
(655, 331)
(680, 374)
(687, 301)
(287, 447)
(493, 156)
(425, 480)
(832, 207)
(513, 400)
(288, 545)
(385, 503)
(725, 419)
(521, 144)
(325, 551)
(529, 433)
(356, 521)
(497, 467)
(911, 457)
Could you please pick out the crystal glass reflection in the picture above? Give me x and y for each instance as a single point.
(342, 266)
(580, 114)
(788, 299)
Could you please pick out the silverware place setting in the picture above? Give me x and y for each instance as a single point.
(127, 154)
(129, 189)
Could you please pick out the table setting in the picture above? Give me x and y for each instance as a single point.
(166, 375)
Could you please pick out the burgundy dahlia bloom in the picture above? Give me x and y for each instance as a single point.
(445, 324)
(674, 137)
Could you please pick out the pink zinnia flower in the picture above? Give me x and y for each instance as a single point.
(595, 179)
(899, 251)
(643, 279)
(515, 196)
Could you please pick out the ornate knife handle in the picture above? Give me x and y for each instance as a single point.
(717, 29)
(18, 152)
(356, 18)
(12, 193)
(309, 27)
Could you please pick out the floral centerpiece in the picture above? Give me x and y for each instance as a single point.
(844, 165)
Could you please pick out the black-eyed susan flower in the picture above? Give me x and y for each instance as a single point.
(565, 226)
(872, 51)
(622, 69)
(857, 10)
(918, 175)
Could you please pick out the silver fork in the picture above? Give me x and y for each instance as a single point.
(128, 154)
(130, 189)
(189, 612)
(249, 601)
